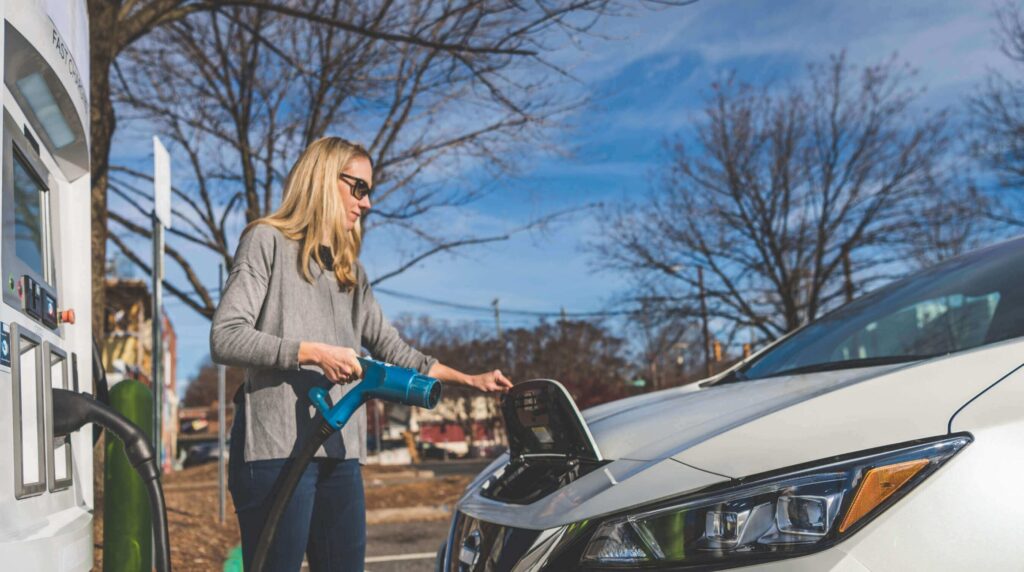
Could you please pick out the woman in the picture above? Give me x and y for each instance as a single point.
(296, 310)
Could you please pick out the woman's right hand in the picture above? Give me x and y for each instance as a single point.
(338, 363)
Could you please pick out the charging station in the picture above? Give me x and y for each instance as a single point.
(46, 497)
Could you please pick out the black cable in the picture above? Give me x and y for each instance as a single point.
(161, 534)
(100, 387)
(284, 487)
(73, 410)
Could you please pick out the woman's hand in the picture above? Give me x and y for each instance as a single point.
(491, 381)
(339, 364)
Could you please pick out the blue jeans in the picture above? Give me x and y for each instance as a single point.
(325, 519)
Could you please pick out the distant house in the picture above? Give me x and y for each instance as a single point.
(128, 349)
(460, 423)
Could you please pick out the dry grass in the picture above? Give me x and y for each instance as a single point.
(199, 542)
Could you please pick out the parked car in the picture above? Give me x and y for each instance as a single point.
(430, 451)
(202, 453)
(887, 435)
(194, 426)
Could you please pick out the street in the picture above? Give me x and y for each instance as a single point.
(412, 546)
(404, 547)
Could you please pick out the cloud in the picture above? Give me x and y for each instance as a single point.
(949, 43)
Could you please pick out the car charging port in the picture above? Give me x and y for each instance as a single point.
(550, 445)
(530, 478)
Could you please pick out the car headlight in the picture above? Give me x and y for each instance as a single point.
(777, 516)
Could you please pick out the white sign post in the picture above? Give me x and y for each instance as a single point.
(161, 220)
(161, 183)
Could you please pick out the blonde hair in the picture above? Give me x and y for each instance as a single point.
(311, 204)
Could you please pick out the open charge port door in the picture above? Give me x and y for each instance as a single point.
(549, 443)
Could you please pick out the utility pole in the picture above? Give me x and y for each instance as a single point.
(221, 412)
(501, 336)
(704, 320)
(497, 319)
(157, 335)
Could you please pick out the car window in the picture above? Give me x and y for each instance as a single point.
(963, 303)
(938, 325)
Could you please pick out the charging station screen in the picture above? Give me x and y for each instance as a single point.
(29, 195)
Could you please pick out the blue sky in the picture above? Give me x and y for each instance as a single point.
(646, 84)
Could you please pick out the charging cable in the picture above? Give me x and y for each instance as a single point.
(73, 410)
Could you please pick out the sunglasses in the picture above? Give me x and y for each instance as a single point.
(359, 187)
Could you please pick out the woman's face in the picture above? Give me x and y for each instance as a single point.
(358, 168)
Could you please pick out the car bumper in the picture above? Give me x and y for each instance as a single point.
(475, 546)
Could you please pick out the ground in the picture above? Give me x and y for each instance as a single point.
(407, 512)
(403, 547)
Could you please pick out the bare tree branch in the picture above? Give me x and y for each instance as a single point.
(997, 117)
(134, 258)
(445, 246)
(792, 200)
(239, 90)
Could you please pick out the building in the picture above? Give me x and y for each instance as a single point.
(128, 350)
(456, 417)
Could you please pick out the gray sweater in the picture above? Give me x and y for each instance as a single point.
(267, 308)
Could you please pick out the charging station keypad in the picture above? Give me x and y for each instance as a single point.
(37, 303)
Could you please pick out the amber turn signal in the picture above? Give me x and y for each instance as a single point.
(877, 485)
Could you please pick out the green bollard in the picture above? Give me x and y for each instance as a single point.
(234, 561)
(127, 526)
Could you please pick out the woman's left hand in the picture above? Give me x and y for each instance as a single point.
(491, 382)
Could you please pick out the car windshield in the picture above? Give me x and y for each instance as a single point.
(963, 303)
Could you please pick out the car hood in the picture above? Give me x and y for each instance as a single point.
(675, 441)
(660, 424)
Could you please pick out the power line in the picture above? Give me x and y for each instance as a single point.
(490, 308)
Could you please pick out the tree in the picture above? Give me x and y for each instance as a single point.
(467, 348)
(202, 389)
(670, 344)
(792, 198)
(997, 114)
(482, 39)
(590, 361)
(242, 92)
(593, 364)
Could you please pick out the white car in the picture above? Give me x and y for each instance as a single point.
(887, 435)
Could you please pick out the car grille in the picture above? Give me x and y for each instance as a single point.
(479, 546)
